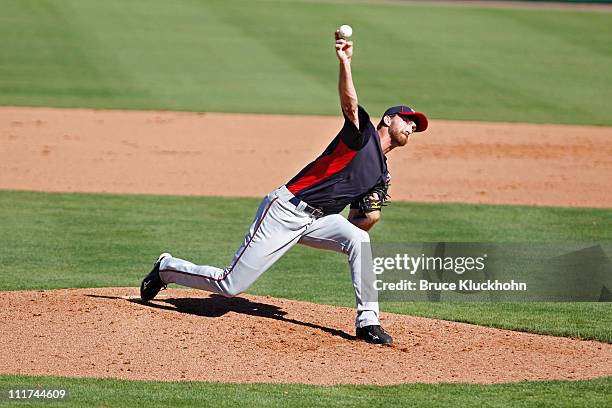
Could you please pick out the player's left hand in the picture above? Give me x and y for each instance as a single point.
(376, 198)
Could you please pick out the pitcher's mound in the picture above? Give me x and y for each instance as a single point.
(189, 335)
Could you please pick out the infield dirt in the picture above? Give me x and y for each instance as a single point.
(250, 155)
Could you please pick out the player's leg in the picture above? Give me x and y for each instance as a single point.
(336, 233)
(275, 229)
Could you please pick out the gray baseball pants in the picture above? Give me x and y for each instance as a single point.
(278, 225)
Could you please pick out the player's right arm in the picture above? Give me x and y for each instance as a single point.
(346, 88)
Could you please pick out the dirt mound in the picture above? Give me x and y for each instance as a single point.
(189, 335)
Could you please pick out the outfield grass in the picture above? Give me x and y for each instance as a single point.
(96, 240)
(276, 56)
(117, 393)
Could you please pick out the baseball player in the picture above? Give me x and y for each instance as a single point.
(352, 170)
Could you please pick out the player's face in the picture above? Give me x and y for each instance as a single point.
(400, 129)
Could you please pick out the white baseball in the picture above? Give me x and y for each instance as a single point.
(345, 31)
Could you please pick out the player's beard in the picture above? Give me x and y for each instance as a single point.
(398, 137)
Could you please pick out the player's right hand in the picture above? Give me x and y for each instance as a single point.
(344, 48)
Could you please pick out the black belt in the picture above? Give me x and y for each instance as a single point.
(315, 212)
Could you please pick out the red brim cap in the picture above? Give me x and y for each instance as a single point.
(419, 119)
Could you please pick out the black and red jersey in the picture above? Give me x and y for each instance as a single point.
(349, 167)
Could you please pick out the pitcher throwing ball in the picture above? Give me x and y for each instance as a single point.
(352, 170)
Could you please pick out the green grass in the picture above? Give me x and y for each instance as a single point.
(96, 240)
(277, 56)
(117, 393)
(582, 320)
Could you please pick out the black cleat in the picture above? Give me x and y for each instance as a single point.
(152, 283)
(374, 334)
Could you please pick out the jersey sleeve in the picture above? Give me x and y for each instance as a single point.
(351, 136)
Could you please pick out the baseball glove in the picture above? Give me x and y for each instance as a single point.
(375, 199)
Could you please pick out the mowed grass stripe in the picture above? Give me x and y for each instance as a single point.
(121, 393)
(52, 240)
(273, 56)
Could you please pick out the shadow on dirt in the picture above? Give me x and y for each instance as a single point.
(217, 306)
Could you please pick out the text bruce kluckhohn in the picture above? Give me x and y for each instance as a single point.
(458, 265)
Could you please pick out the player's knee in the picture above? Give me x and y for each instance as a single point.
(364, 236)
(356, 242)
(359, 236)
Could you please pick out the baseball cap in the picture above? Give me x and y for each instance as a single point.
(419, 118)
